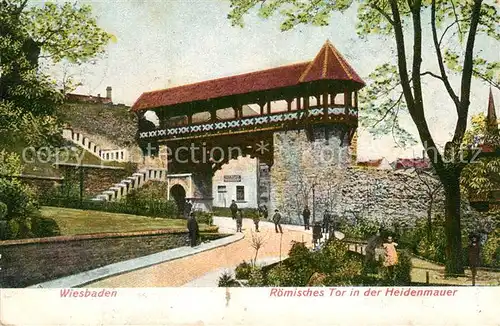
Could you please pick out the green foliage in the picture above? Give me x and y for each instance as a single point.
(66, 31)
(339, 266)
(483, 176)
(227, 280)
(3, 210)
(204, 217)
(153, 208)
(490, 253)
(10, 163)
(44, 227)
(256, 277)
(402, 271)
(18, 198)
(243, 270)
(226, 212)
(380, 113)
(362, 229)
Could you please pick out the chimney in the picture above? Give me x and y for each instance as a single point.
(108, 92)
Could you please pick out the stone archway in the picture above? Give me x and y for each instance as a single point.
(178, 193)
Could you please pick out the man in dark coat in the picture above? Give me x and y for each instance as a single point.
(234, 209)
(326, 222)
(263, 211)
(307, 215)
(187, 209)
(474, 256)
(277, 221)
(192, 226)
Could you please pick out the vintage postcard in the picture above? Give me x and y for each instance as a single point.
(249, 162)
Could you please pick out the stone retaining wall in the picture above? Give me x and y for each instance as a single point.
(321, 164)
(27, 262)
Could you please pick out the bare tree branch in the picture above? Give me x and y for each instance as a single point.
(431, 74)
(389, 110)
(442, 69)
(467, 74)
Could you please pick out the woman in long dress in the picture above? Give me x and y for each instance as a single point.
(391, 256)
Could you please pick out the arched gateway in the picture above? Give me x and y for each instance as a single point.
(276, 115)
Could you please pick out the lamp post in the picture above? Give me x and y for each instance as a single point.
(313, 178)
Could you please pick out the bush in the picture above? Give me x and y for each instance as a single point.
(227, 280)
(153, 208)
(256, 277)
(363, 229)
(243, 270)
(490, 252)
(18, 198)
(44, 227)
(204, 217)
(3, 210)
(226, 212)
(402, 272)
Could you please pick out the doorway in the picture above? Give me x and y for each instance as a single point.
(178, 193)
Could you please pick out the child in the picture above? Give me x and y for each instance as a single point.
(391, 256)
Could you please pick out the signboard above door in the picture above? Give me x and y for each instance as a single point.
(232, 178)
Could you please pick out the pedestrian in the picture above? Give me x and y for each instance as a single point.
(265, 212)
(474, 257)
(193, 229)
(326, 221)
(187, 208)
(234, 209)
(256, 220)
(317, 233)
(239, 220)
(307, 215)
(391, 256)
(277, 221)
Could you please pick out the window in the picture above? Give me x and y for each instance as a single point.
(240, 193)
(221, 189)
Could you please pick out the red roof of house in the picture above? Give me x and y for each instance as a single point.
(372, 163)
(328, 65)
(404, 163)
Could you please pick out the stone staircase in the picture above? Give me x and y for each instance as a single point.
(133, 182)
(119, 155)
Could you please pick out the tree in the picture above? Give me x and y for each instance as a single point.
(403, 21)
(480, 179)
(29, 36)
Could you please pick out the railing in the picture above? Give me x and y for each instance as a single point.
(120, 155)
(333, 113)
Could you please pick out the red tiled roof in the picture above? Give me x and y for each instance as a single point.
(328, 65)
(405, 163)
(372, 163)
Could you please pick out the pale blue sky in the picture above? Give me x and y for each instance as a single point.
(169, 43)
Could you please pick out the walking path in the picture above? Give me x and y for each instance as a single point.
(204, 268)
(201, 267)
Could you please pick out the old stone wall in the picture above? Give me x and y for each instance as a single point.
(25, 264)
(321, 165)
(96, 179)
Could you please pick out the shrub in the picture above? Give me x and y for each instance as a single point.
(243, 270)
(44, 227)
(227, 280)
(204, 217)
(490, 252)
(226, 212)
(3, 210)
(402, 272)
(153, 208)
(281, 275)
(17, 197)
(256, 277)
